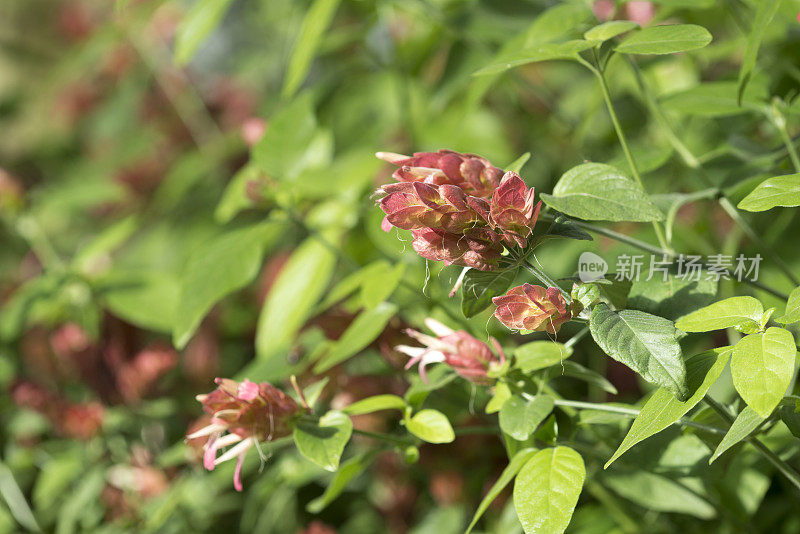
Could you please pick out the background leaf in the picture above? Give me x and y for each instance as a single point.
(665, 39)
(316, 21)
(766, 10)
(792, 312)
(196, 25)
(479, 287)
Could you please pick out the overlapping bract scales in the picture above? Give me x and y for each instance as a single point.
(460, 208)
(530, 307)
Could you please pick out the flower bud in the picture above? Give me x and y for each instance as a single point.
(478, 248)
(475, 175)
(415, 205)
(468, 356)
(512, 209)
(529, 307)
(249, 413)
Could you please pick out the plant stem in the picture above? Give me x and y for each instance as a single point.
(632, 412)
(784, 468)
(571, 342)
(624, 143)
(647, 247)
(693, 163)
(780, 123)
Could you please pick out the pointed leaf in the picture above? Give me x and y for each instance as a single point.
(747, 421)
(735, 312)
(776, 191)
(792, 312)
(323, 442)
(766, 10)
(540, 52)
(609, 30)
(762, 366)
(547, 489)
(505, 478)
(367, 326)
(665, 39)
(519, 416)
(645, 343)
(349, 470)
(197, 24)
(599, 192)
(375, 404)
(539, 355)
(662, 409)
(317, 19)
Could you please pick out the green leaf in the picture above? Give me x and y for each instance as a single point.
(790, 414)
(578, 371)
(766, 10)
(199, 22)
(665, 39)
(713, 99)
(671, 298)
(792, 312)
(227, 263)
(659, 493)
(735, 312)
(547, 489)
(499, 397)
(143, 298)
(520, 417)
(747, 421)
(566, 228)
(540, 52)
(762, 366)
(645, 343)
(313, 392)
(609, 30)
(662, 409)
(505, 478)
(479, 287)
(15, 499)
(79, 499)
(367, 326)
(375, 404)
(282, 152)
(517, 164)
(323, 442)
(234, 198)
(379, 284)
(776, 191)
(540, 354)
(599, 192)
(296, 290)
(349, 470)
(431, 426)
(317, 19)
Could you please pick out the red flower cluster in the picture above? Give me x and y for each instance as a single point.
(459, 207)
(250, 413)
(469, 357)
(529, 307)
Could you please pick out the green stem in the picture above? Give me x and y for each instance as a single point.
(624, 143)
(571, 342)
(693, 163)
(647, 247)
(780, 123)
(784, 468)
(632, 412)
